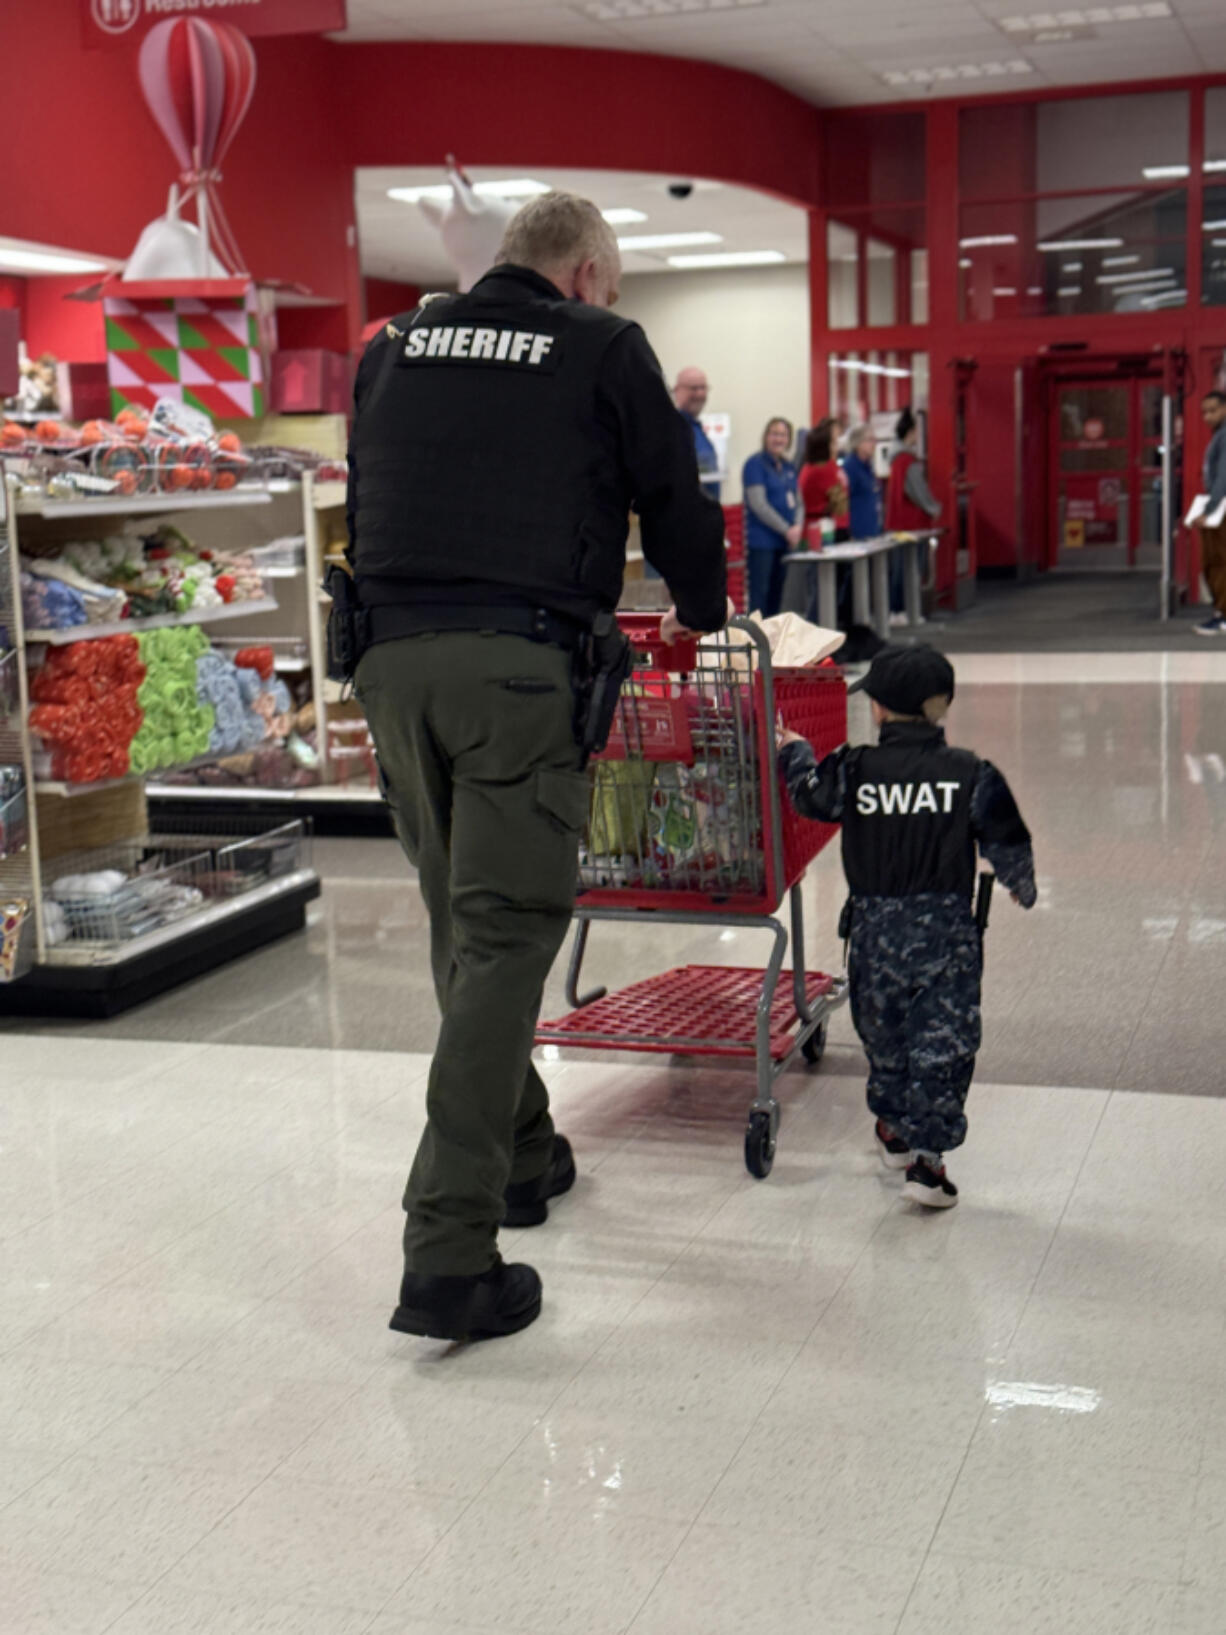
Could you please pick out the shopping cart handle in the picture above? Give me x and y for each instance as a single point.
(643, 632)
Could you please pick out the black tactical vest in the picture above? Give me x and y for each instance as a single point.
(486, 466)
(907, 819)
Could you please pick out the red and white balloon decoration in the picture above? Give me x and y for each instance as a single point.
(198, 78)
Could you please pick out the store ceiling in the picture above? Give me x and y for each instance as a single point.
(398, 242)
(833, 53)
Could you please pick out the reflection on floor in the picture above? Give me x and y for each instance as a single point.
(748, 1406)
(1114, 981)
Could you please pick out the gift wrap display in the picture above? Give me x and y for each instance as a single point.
(142, 704)
(133, 577)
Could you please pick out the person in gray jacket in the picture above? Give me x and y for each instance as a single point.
(1213, 540)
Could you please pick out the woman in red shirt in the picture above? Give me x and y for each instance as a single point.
(823, 486)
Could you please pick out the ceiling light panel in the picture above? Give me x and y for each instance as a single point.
(947, 72)
(729, 258)
(1146, 276)
(517, 187)
(667, 241)
(1062, 244)
(623, 217)
(1046, 22)
(640, 11)
(46, 261)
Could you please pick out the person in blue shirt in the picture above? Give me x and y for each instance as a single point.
(690, 396)
(773, 515)
(864, 492)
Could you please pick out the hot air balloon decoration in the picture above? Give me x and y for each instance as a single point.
(198, 78)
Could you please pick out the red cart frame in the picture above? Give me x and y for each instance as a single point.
(689, 824)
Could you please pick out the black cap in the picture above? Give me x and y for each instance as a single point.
(903, 679)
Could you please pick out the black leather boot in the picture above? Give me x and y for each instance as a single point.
(528, 1201)
(500, 1301)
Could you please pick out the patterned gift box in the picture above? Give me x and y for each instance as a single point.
(200, 344)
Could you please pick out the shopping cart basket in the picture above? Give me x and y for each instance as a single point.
(688, 825)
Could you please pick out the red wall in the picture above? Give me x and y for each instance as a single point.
(385, 298)
(588, 110)
(321, 108)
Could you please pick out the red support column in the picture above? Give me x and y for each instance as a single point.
(943, 321)
(819, 339)
(1196, 198)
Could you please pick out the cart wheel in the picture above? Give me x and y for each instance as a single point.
(759, 1145)
(814, 1047)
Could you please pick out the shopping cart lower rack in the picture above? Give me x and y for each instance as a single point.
(688, 826)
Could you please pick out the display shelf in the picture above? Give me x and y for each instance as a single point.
(325, 495)
(55, 786)
(159, 621)
(100, 980)
(332, 809)
(326, 794)
(206, 919)
(114, 980)
(141, 505)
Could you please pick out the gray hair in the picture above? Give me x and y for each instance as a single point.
(860, 434)
(558, 230)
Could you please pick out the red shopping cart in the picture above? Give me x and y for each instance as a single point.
(688, 825)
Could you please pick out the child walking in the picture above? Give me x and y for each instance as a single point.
(913, 810)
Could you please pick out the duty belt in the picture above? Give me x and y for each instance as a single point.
(390, 623)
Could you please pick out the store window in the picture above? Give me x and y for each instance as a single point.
(1213, 222)
(882, 282)
(1074, 207)
(874, 387)
(877, 268)
(842, 277)
(874, 187)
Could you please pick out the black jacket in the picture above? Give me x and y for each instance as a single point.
(501, 439)
(913, 810)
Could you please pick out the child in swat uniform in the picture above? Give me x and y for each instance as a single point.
(913, 810)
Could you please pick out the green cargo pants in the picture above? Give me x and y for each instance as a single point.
(475, 738)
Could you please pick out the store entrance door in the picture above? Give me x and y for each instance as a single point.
(1106, 465)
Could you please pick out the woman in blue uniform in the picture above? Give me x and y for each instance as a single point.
(772, 515)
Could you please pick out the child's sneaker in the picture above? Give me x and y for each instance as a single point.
(928, 1186)
(895, 1153)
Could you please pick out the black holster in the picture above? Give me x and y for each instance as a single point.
(348, 625)
(603, 661)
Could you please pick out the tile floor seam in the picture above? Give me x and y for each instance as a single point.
(259, 1482)
(195, 1544)
(979, 1419)
(769, 1397)
(586, 1363)
(198, 1128)
(1143, 1009)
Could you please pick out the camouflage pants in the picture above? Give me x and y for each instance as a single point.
(915, 968)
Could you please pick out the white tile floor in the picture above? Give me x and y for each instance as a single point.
(761, 1408)
(776, 1407)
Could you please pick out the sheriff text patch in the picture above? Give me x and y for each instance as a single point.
(460, 343)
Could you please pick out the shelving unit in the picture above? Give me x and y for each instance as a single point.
(77, 827)
(159, 621)
(336, 806)
(147, 505)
